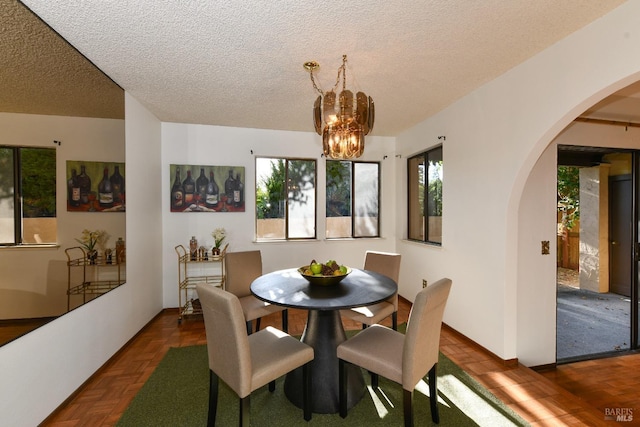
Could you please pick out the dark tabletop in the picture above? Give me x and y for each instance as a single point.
(288, 288)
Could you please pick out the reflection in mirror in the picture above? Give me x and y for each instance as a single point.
(56, 103)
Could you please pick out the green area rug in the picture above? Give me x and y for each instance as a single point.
(177, 392)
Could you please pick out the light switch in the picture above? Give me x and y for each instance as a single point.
(545, 247)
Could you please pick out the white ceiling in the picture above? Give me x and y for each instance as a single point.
(40, 73)
(239, 63)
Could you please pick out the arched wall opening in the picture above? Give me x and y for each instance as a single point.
(532, 220)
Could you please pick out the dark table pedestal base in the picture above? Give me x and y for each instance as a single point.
(324, 332)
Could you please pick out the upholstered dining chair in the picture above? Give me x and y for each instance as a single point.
(404, 359)
(389, 265)
(247, 362)
(242, 268)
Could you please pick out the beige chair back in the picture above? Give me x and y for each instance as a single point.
(242, 268)
(227, 340)
(387, 264)
(422, 340)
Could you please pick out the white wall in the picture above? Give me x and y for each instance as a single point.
(494, 137)
(40, 370)
(33, 282)
(226, 146)
(536, 286)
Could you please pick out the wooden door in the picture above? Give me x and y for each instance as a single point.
(620, 234)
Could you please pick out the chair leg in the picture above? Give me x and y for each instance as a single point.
(306, 390)
(433, 394)
(394, 320)
(249, 327)
(245, 404)
(374, 379)
(342, 387)
(257, 324)
(272, 386)
(285, 321)
(213, 399)
(407, 403)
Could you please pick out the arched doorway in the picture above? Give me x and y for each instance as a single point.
(594, 251)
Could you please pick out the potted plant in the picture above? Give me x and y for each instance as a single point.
(90, 240)
(219, 234)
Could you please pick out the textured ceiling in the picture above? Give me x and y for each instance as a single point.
(239, 63)
(41, 73)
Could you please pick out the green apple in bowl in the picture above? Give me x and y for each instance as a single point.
(315, 268)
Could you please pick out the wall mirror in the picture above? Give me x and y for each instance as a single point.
(51, 96)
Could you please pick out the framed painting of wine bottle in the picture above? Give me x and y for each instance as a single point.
(198, 188)
(95, 186)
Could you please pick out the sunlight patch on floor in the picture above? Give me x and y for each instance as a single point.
(476, 406)
(381, 407)
(423, 388)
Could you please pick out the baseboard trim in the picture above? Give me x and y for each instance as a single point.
(544, 368)
(507, 363)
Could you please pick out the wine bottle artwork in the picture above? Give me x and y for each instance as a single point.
(238, 192)
(74, 189)
(105, 191)
(117, 184)
(84, 183)
(201, 188)
(212, 194)
(93, 189)
(189, 186)
(177, 192)
(207, 188)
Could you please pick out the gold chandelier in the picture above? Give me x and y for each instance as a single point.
(344, 124)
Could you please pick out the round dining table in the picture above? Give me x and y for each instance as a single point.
(324, 330)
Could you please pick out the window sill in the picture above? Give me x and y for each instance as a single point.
(286, 241)
(31, 246)
(421, 243)
(328, 240)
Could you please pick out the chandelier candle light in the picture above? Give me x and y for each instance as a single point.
(342, 124)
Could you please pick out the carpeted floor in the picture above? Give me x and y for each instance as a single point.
(177, 394)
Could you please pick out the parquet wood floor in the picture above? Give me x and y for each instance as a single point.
(571, 395)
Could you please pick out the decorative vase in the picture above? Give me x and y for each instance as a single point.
(92, 256)
(120, 251)
(193, 248)
(215, 251)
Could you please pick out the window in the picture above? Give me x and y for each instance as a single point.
(353, 194)
(425, 196)
(27, 195)
(285, 198)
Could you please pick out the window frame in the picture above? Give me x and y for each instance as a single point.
(18, 195)
(287, 199)
(352, 195)
(425, 155)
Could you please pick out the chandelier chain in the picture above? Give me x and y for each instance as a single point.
(344, 73)
(342, 70)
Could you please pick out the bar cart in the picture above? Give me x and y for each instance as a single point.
(203, 268)
(89, 278)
